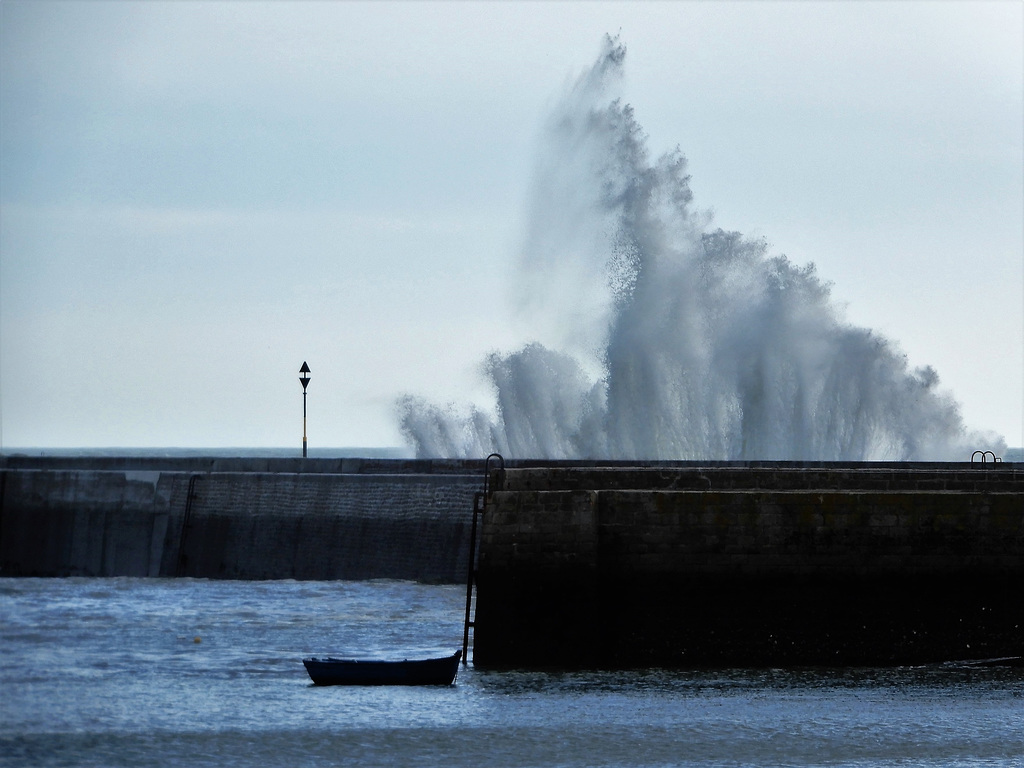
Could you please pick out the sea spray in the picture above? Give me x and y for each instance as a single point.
(658, 336)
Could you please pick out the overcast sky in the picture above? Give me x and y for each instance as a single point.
(197, 197)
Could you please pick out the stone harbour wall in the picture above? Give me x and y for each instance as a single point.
(237, 524)
(581, 564)
(751, 566)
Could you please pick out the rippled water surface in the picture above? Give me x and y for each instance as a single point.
(112, 672)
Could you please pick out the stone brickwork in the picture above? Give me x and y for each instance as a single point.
(581, 566)
(237, 524)
(811, 532)
(83, 523)
(263, 526)
(768, 476)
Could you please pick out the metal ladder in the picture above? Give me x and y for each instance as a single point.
(186, 523)
(479, 505)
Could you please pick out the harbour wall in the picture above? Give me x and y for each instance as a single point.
(758, 565)
(236, 518)
(598, 564)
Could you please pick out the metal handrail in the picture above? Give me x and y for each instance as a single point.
(984, 457)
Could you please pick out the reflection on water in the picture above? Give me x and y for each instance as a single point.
(184, 672)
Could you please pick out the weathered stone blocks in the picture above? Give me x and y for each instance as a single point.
(782, 573)
(246, 525)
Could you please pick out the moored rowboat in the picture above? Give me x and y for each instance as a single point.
(332, 671)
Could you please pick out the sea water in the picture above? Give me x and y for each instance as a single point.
(119, 671)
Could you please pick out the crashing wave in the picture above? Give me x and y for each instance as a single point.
(660, 337)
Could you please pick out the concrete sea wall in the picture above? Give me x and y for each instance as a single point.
(237, 519)
(751, 566)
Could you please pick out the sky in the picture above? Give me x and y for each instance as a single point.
(198, 197)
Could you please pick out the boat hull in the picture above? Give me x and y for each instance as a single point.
(332, 671)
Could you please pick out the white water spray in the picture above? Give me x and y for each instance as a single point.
(662, 338)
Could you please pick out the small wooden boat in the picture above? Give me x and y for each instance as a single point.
(331, 671)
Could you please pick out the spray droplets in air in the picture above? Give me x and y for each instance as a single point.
(660, 337)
